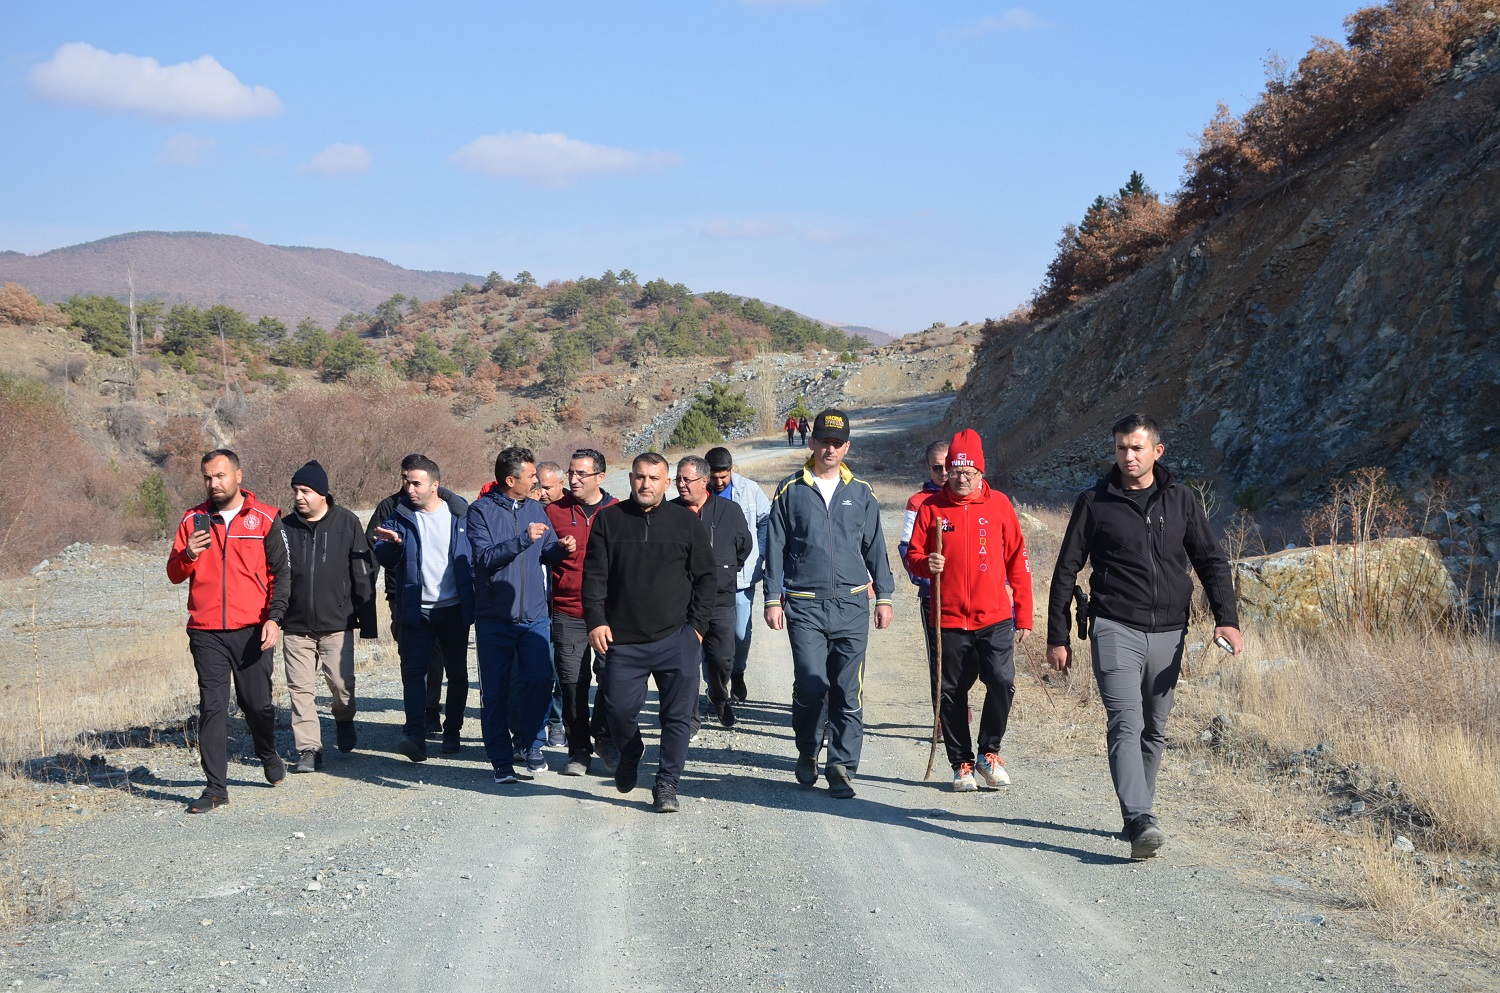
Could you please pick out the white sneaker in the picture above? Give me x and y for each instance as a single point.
(991, 769)
(963, 778)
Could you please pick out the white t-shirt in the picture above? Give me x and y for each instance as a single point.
(230, 515)
(435, 533)
(826, 487)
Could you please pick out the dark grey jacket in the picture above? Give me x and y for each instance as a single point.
(816, 550)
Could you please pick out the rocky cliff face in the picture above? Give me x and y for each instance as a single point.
(1348, 316)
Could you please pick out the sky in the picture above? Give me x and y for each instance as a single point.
(865, 162)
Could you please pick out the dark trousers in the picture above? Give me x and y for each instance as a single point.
(435, 669)
(673, 664)
(789, 442)
(828, 639)
(515, 686)
(924, 608)
(572, 660)
(718, 649)
(986, 655)
(222, 657)
(439, 626)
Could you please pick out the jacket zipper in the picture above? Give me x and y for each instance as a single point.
(223, 579)
(515, 518)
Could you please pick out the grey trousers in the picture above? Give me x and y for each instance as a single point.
(1137, 674)
(828, 639)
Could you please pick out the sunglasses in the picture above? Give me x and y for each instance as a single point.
(938, 468)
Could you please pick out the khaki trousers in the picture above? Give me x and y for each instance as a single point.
(306, 654)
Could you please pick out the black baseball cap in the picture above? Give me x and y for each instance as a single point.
(831, 423)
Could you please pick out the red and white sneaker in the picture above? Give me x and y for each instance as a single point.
(963, 778)
(991, 769)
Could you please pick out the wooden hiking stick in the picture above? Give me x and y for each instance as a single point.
(937, 653)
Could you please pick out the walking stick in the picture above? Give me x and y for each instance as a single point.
(937, 635)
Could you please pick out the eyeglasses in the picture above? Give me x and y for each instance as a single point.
(964, 475)
(689, 480)
(938, 468)
(580, 474)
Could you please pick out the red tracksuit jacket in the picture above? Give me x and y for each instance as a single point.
(982, 550)
(235, 579)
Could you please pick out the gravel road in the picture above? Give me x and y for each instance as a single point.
(381, 874)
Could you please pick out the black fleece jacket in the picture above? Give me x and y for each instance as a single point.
(1140, 559)
(728, 535)
(646, 574)
(333, 586)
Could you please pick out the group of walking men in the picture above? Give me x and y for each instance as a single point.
(562, 582)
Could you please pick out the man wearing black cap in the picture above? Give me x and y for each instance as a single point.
(332, 592)
(826, 549)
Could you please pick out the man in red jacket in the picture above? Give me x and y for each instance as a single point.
(982, 551)
(234, 552)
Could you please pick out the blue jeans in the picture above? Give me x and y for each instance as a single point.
(744, 625)
(515, 686)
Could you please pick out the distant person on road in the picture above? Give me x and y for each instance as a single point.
(802, 428)
(512, 546)
(729, 536)
(649, 586)
(1140, 528)
(427, 546)
(332, 593)
(752, 500)
(791, 429)
(456, 697)
(935, 464)
(825, 550)
(573, 661)
(237, 598)
(981, 622)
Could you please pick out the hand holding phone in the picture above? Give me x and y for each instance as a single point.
(201, 537)
(1223, 643)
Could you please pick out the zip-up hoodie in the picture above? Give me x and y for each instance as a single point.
(646, 574)
(509, 568)
(332, 581)
(239, 580)
(818, 550)
(983, 549)
(728, 536)
(568, 517)
(404, 560)
(1140, 559)
(914, 504)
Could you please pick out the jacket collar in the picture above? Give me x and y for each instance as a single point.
(1162, 478)
(846, 475)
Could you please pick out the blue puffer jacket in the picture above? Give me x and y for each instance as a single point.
(510, 570)
(404, 559)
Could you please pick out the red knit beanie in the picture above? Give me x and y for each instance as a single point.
(966, 451)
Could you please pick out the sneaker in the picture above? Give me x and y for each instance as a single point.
(275, 771)
(839, 786)
(665, 798)
(807, 770)
(629, 767)
(726, 714)
(450, 745)
(697, 729)
(412, 749)
(308, 762)
(206, 803)
(556, 736)
(518, 756)
(536, 763)
(576, 767)
(505, 776)
(609, 755)
(1146, 840)
(991, 769)
(963, 778)
(737, 688)
(345, 736)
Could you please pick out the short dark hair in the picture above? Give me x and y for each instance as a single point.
(510, 460)
(697, 462)
(931, 453)
(1131, 423)
(593, 455)
(650, 458)
(221, 453)
(719, 458)
(421, 463)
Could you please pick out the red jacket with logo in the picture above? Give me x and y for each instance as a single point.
(234, 580)
(982, 550)
(567, 518)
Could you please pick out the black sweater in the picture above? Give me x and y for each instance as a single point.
(646, 574)
(332, 586)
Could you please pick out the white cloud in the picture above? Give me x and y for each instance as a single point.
(185, 149)
(81, 75)
(1015, 19)
(742, 230)
(338, 159)
(552, 161)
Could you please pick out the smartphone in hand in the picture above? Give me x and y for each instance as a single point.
(1223, 643)
(200, 523)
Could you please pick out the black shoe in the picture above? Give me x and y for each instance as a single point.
(609, 755)
(275, 771)
(839, 786)
(737, 688)
(1146, 839)
(630, 766)
(665, 798)
(345, 736)
(434, 724)
(206, 803)
(726, 714)
(576, 767)
(308, 761)
(557, 737)
(450, 745)
(412, 748)
(807, 770)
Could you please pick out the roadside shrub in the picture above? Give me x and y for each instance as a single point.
(152, 505)
(695, 430)
(19, 307)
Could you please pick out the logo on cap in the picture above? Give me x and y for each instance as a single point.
(833, 421)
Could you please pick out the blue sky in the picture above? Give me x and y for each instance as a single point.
(874, 163)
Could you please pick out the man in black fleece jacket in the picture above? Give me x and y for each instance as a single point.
(649, 583)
